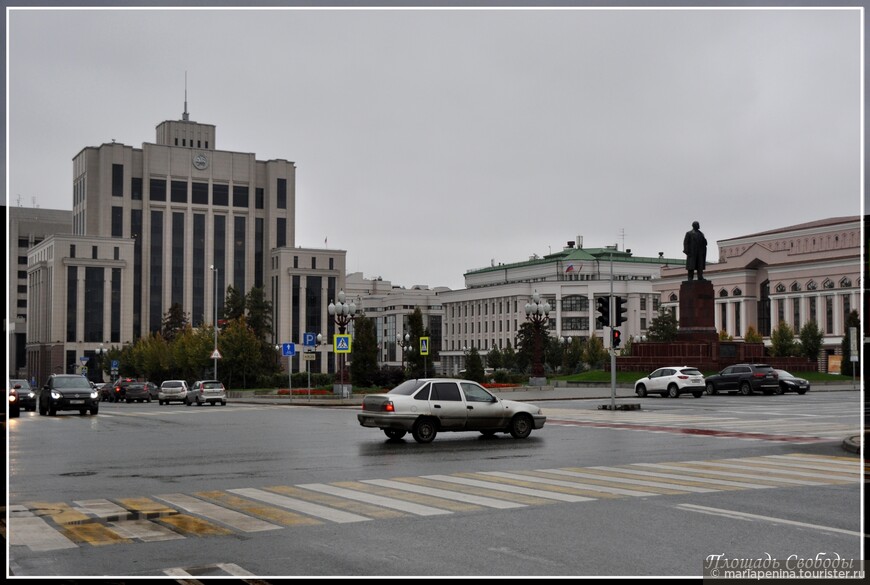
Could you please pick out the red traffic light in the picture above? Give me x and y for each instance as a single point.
(616, 338)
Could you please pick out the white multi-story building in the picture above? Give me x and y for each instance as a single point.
(490, 310)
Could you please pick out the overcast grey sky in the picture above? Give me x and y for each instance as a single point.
(432, 142)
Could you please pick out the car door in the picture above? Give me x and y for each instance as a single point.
(726, 380)
(484, 411)
(447, 403)
(659, 379)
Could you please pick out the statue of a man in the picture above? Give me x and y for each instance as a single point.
(695, 249)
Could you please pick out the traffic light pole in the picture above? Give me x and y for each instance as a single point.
(612, 350)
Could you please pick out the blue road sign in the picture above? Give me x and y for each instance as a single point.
(84, 360)
(308, 339)
(288, 349)
(424, 346)
(115, 364)
(342, 343)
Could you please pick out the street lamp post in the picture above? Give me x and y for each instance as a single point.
(537, 313)
(343, 314)
(404, 344)
(215, 271)
(101, 352)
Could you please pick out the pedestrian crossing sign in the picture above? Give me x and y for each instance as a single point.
(342, 343)
(424, 346)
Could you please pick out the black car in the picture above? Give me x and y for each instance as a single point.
(137, 391)
(26, 395)
(14, 403)
(791, 383)
(68, 392)
(744, 378)
(117, 390)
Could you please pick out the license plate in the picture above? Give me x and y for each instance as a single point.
(696, 380)
(76, 401)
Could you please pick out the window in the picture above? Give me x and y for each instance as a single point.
(313, 263)
(446, 391)
(179, 192)
(240, 195)
(281, 236)
(157, 189)
(117, 180)
(259, 198)
(220, 195)
(72, 251)
(117, 221)
(199, 194)
(136, 188)
(282, 194)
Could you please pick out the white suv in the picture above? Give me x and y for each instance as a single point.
(672, 381)
(172, 390)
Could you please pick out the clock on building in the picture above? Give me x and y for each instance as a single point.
(200, 161)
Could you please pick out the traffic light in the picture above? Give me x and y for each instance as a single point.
(615, 338)
(603, 319)
(619, 311)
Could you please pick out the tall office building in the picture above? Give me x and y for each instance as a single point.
(176, 221)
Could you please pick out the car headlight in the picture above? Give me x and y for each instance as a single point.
(31, 394)
(95, 394)
(55, 394)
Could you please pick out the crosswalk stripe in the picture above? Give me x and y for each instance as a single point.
(269, 513)
(834, 461)
(693, 479)
(416, 497)
(710, 467)
(401, 505)
(144, 530)
(839, 470)
(37, 535)
(237, 520)
(607, 474)
(523, 499)
(94, 534)
(104, 509)
(507, 488)
(446, 494)
(354, 507)
(193, 525)
(309, 508)
(587, 488)
(781, 470)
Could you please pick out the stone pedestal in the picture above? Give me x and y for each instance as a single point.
(697, 312)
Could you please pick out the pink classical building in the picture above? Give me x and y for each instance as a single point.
(795, 274)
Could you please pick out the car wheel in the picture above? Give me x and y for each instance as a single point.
(52, 411)
(223, 402)
(161, 402)
(711, 390)
(148, 400)
(801, 392)
(521, 426)
(394, 433)
(94, 411)
(780, 390)
(640, 390)
(673, 391)
(697, 394)
(14, 412)
(186, 402)
(83, 411)
(745, 389)
(424, 430)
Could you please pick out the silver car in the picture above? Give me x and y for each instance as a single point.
(211, 391)
(172, 390)
(427, 406)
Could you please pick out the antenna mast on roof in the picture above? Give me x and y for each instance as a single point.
(185, 116)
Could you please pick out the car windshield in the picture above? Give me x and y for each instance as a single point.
(25, 385)
(72, 382)
(407, 387)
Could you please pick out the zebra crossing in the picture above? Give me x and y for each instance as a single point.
(771, 424)
(43, 527)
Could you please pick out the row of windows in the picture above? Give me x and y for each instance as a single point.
(198, 192)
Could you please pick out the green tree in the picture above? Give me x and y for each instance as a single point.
(259, 312)
(150, 357)
(663, 327)
(364, 367)
(241, 356)
(553, 353)
(416, 363)
(174, 321)
(234, 304)
(782, 341)
(526, 345)
(594, 352)
(811, 340)
(191, 353)
(474, 366)
(848, 366)
(509, 358)
(725, 336)
(494, 359)
(752, 336)
(573, 356)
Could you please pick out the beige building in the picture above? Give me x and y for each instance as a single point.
(794, 274)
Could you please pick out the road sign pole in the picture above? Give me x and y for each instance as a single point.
(290, 375)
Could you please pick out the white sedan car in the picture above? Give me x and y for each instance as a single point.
(672, 381)
(425, 407)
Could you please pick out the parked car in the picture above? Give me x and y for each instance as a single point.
(791, 383)
(172, 391)
(137, 391)
(672, 381)
(68, 392)
(211, 391)
(153, 390)
(426, 407)
(117, 390)
(745, 378)
(14, 403)
(26, 394)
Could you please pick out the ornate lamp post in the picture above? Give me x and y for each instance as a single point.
(404, 344)
(343, 314)
(537, 313)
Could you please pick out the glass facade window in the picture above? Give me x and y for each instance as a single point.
(179, 192)
(197, 316)
(259, 250)
(294, 299)
(117, 180)
(829, 314)
(281, 232)
(136, 233)
(220, 195)
(178, 260)
(240, 196)
(94, 293)
(155, 286)
(220, 256)
(71, 302)
(282, 194)
(239, 254)
(117, 221)
(157, 190)
(813, 310)
(796, 314)
(199, 194)
(136, 188)
(259, 198)
(115, 309)
(575, 303)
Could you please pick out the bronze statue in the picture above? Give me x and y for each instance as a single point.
(695, 249)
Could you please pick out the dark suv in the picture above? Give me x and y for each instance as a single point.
(68, 392)
(745, 378)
